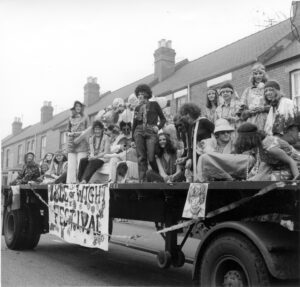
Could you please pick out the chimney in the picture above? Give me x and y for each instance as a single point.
(164, 60)
(46, 112)
(16, 126)
(91, 91)
(296, 13)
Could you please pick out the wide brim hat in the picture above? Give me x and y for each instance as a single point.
(77, 102)
(222, 125)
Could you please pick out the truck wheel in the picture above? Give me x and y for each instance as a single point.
(33, 228)
(15, 229)
(164, 259)
(179, 260)
(232, 260)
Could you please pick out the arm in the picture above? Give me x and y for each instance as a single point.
(280, 155)
(161, 170)
(134, 124)
(162, 119)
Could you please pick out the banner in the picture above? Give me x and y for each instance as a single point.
(79, 213)
(195, 201)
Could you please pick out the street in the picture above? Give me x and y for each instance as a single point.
(57, 263)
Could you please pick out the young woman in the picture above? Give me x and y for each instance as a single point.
(166, 157)
(212, 99)
(58, 167)
(256, 108)
(47, 159)
(78, 122)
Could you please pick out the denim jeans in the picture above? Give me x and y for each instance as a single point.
(145, 140)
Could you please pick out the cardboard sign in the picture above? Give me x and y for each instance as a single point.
(195, 201)
(79, 213)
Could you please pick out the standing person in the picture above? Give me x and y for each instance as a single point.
(145, 128)
(256, 109)
(231, 107)
(281, 117)
(212, 100)
(30, 170)
(90, 164)
(166, 157)
(78, 122)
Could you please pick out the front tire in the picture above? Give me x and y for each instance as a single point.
(232, 260)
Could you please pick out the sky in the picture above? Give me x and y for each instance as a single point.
(50, 47)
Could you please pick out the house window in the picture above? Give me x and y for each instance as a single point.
(62, 139)
(295, 81)
(43, 146)
(7, 158)
(180, 98)
(20, 154)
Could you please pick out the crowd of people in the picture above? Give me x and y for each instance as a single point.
(254, 136)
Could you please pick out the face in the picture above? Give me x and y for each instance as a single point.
(224, 136)
(48, 156)
(126, 130)
(77, 108)
(44, 168)
(162, 140)
(98, 131)
(29, 158)
(226, 94)
(258, 76)
(59, 157)
(142, 97)
(270, 94)
(108, 132)
(211, 95)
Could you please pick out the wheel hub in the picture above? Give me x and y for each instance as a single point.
(233, 278)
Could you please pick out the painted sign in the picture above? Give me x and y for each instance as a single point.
(195, 201)
(79, 213)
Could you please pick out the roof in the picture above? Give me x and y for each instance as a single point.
(228, 58)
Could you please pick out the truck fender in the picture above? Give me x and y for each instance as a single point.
(278, 246)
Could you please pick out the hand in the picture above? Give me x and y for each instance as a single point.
(133, 145)
(180, 161)
(155, 128)
(188, 164)
(70, 133)
(166, 178)
(91, 157)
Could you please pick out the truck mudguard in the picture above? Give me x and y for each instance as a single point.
(278, 246)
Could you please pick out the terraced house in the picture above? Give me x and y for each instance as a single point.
(276, 47)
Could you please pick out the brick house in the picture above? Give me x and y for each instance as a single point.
(276, 47)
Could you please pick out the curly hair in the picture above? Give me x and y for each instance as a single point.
(216, 99)
(248, 138)
(143, 88)
(190, 109)
(169, 146)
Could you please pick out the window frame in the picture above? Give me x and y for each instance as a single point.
(43, 147)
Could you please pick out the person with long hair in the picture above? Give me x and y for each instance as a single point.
(212, 101)
(166, 157)
(256, 108)
(77, 150)
(58, 168)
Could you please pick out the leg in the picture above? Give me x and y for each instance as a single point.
(82, 167)
(61, 179)
(71, 173)
(113, 171)
(92, 166)
(141, 153)
(151, 140)
(79, 156)
(153, 176)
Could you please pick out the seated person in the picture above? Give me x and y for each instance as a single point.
(30, 170)
(90, 164)
(166, 158)
(252, 161)
(44, 177)
(47, 159)
(221, 142)
(58, 168)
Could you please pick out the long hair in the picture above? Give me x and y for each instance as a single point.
(258, 66)
(215, 101)
(190, 108)
(248, 138)
(170, 149)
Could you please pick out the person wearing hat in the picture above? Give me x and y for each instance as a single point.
(221, 142)
(148, 120)
(30, 171)
(256, 108)
(77, 150)
(281, 116)
(231, 106)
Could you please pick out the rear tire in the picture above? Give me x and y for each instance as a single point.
(232, 260)
(33, 228)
